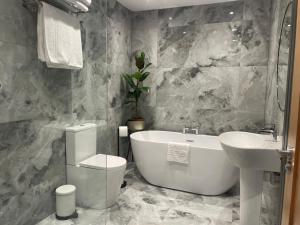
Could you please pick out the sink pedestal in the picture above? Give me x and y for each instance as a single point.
(251, 184)
(253, 154)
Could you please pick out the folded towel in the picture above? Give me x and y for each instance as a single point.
(86, 2)
(79, 5)
(59, 38)
(178, 152)
(40, 36)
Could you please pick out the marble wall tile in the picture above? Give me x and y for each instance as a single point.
(119, 52)
(89, 85)
(33, 97)
(32, 166)
(271, 193)
(196, 96)
(271, 79)
(286, 39)
(257, 10)
(26, 86)
(255, 44)
(145, 32)
(204, 52)
(206, 45)
(207, 87)
(175, 44)
(224, 12)
(32, 154)
(203, 14)
(273, 113)
(16, 24)
(183, 16)
(209, 67)
(119, 35)
(252, 89)
(89, 92)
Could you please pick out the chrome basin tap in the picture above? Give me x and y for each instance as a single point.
(270, 130)
(190, 130)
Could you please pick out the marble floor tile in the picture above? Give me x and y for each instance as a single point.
(143, 204)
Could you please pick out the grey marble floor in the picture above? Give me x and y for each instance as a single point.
(143, 204)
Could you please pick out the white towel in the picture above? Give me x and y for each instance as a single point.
(178, 152)
(86, 2)
(59, 38)
(79, 5)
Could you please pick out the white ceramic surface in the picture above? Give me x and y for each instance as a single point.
(209, 171)
(96, 188)
(81, 141)
(252, 151)
(98, 178)
(253, 154)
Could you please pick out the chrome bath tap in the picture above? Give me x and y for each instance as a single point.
(270, 130)
(190, 130)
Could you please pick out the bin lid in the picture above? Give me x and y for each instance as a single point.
(65, 189)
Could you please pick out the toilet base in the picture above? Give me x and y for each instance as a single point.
(95, 188)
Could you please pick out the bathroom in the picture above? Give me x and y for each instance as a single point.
(216, 67)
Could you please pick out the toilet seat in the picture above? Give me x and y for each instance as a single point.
(104, 162)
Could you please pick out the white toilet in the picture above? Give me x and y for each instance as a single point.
(97, 178)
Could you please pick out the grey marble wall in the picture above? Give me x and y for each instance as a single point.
(33, 99)
(37, 103)
(210, 65)
(97, 92)
(212, 70)
(273, 113)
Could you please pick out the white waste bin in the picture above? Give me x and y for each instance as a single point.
(65, 202)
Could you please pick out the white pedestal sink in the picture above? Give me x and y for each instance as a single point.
(253, 154)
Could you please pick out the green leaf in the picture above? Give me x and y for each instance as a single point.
(145, 89)
(144, 76)
(129, 80)
(138, 75)
(149, 64)
(140, 60)
(137, 93)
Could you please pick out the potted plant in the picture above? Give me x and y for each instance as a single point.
(136, 89)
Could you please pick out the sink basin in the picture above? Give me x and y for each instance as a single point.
(252, 151)
(253, 154)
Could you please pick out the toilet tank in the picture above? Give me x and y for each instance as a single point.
(81, 142)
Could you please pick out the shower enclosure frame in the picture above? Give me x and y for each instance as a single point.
(286, 180)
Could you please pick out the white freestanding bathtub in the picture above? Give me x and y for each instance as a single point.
(209, 172)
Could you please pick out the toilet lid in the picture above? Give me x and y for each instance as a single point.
(101, 161)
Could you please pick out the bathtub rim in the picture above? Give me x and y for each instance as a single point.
(135, 138)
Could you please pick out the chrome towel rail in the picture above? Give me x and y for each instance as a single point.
(65, 5)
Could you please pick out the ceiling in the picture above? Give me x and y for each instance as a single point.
(141, 5)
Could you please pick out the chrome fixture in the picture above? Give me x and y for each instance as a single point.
(270, 130)
(65, 5)
(287, 157)
(190, 130)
